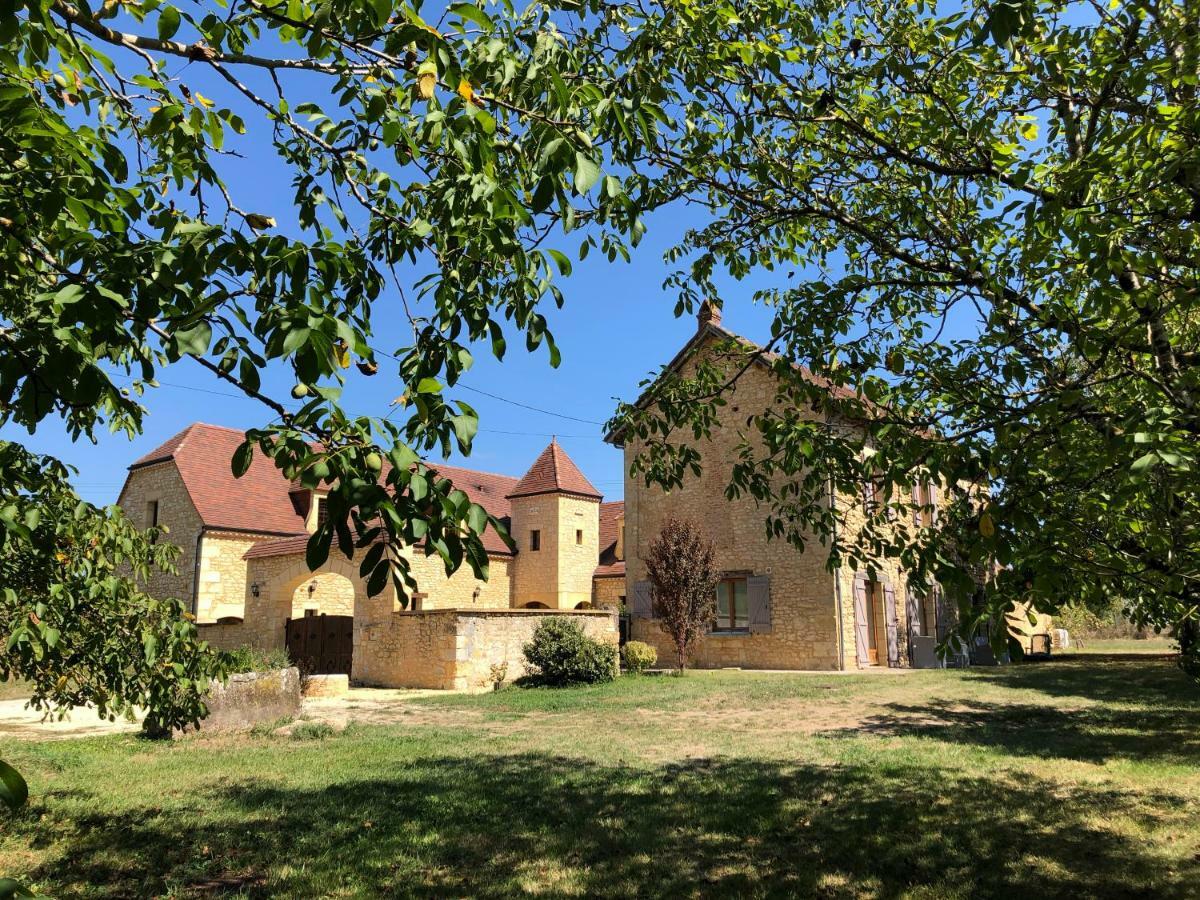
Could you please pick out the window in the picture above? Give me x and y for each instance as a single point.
(579, 536)
(152, 513)
(535, 540)
(733, 612)
(322, 511)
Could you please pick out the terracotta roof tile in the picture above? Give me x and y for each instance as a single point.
(261, 500)
(554, 472)
(610, 514)
(257, 502)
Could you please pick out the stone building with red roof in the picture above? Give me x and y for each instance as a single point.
(242, 571)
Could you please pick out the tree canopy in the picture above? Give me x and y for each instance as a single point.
(980, 220)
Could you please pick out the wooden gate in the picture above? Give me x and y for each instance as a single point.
(321, 645)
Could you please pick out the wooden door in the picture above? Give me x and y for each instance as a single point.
(872, 625)
(321, 645)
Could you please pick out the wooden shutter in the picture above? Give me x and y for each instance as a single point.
(758, 601)
(933, 502)
(868, 492)
(860, 622)
(917, 503)
(913, 607)
(642, 606)
(893, 627)
(941, 614)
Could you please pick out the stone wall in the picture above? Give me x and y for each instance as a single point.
(811, 613)
(462, 589)
(176, 512)
(608, 592)
(455, 649)
(222, 582)
(1024, 622)
(224, 635)
(325, 594)
(558, 575)
(250, 698)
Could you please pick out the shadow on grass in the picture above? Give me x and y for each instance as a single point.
(1144, 710)
(1149, 681)
(504, 825)
(1093, 734)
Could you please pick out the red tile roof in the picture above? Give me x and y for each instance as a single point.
(609, 565)
(261, 501)
(554, 472)
(258, 502)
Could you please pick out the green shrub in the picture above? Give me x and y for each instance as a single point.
(312, 731)
(639, 656)
(560, 653)
(253, 659)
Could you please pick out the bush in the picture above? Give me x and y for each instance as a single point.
(253, 659)
(639, 656)
(560, 653)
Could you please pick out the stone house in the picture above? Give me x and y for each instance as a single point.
(242, 572)
(778, 608)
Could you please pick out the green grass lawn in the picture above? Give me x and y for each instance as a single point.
(1074, 778)
(1122, 645)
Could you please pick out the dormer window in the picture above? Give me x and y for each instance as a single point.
(322, 510)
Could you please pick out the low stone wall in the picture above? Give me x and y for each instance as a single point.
(252, 697)
(224, 635)
(455, 649)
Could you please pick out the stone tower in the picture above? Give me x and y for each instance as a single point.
(555, 522)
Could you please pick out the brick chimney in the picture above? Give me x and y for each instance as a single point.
(710, 314)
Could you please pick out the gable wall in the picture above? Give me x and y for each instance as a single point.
(803, 632)
(163, 483)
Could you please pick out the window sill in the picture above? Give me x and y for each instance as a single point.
(730, 632)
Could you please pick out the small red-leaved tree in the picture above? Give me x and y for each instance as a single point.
(681, 570)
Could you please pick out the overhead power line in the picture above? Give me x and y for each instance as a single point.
(537, 409)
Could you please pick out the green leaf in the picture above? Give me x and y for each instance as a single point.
(316, 552)
(242, 458)
(13, 790)
(194, 340)
(587, 172)
(1144, 463)
(168, 22)
(477, 518)
(473, 13)
(10, 888)
(465, 428)
(560, 258)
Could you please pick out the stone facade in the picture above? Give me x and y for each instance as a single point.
(608, 592)
(811, 609)
(558, 575)
(160, 486)
(221, 584)
(455, 649)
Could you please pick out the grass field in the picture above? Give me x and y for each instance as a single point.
(1123, 645)
(1075, 778)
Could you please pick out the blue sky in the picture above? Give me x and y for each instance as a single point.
(616, 327)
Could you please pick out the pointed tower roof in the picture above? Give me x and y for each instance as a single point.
(554, 473)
